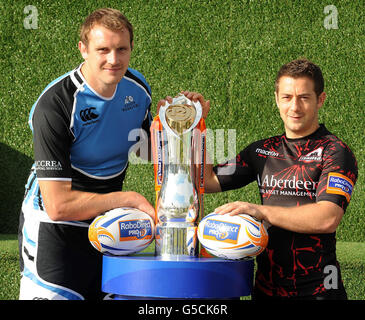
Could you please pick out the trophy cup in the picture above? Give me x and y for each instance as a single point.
(178, 136)
(179, 149)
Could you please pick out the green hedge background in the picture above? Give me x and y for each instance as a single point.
(228, 50)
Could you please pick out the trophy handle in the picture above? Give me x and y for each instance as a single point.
(199, 112)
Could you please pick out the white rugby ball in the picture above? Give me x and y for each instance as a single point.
(122, 231)
(232, 237)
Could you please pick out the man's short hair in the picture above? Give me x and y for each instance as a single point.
(109, 18)
(302, 68)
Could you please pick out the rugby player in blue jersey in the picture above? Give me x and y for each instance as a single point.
(81, 125)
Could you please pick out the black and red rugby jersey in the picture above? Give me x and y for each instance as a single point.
(293, 172)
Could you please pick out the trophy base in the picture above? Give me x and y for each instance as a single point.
(148, 277)
(176, 240)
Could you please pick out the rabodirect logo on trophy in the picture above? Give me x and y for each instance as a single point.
(135, 230)
(221, 231)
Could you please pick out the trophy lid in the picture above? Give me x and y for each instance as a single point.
(180, 117)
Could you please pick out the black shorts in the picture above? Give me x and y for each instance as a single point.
(57, 261)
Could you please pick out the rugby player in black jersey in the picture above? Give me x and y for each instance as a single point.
(305, 177)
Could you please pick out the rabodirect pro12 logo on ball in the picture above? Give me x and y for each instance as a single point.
(135, 230)
(221, 231)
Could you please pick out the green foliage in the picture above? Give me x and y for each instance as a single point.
(229, 51)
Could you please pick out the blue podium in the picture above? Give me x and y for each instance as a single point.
(149, 277)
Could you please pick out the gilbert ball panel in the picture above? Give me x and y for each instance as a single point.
(93, 232)
(122, 231)
(232, 237)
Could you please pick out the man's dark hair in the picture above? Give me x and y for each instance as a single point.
(302, 68)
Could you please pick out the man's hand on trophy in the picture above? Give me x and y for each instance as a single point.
(194, 96)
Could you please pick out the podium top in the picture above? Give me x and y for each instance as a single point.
(190, 278)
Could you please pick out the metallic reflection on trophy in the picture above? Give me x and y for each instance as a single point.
(179, 171)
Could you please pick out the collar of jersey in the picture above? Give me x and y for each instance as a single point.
(78, 70)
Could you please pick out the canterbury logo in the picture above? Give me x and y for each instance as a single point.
(88, 114)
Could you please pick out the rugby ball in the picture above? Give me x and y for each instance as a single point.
(121, 231)
(232, 237)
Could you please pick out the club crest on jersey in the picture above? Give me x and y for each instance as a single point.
(315, 155)
(128, 99)
(221, 231)
(339, 184)
(129, 103)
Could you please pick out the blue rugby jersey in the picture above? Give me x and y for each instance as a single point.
(85, 138)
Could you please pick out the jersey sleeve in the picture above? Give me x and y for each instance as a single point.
(237, 172)
(142, 82)
(146, 124)
(339, 175)
(51, 138)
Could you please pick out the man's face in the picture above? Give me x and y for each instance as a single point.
(106, 57)
(298, 105)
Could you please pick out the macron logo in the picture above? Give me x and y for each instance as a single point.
(267, 152)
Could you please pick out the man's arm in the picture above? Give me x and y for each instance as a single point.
(211, 182)
(320, 217)
(63, 204)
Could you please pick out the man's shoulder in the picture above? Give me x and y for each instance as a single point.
(334, 143)
(60, 88)
(138, 78)
(56, 97)
(267, 143)
(263, 148)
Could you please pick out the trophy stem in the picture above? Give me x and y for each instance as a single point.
(176, 240)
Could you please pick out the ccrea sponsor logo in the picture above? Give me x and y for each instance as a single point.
(135, 230)
(48, 165)
(221, 231)
(292, 183)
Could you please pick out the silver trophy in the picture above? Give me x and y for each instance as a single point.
(177, 205)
